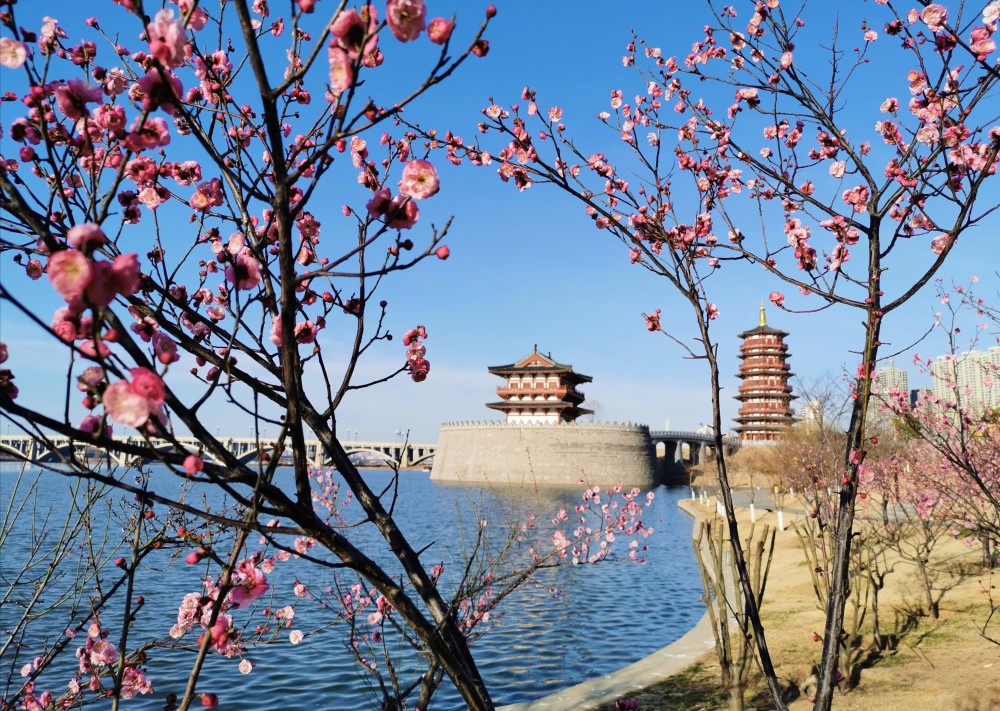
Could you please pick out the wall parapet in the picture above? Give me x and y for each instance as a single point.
(630, 426)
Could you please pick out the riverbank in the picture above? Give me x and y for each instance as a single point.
(942, 663)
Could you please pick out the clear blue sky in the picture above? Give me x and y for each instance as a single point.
(529, 268)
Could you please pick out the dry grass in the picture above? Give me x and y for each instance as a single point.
(931, 664)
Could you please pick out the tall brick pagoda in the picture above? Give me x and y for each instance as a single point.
(765, 394)
(537, 389)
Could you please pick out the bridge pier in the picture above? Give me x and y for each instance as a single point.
(671, 464)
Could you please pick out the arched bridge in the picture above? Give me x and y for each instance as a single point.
(53, 449)
(677, 450)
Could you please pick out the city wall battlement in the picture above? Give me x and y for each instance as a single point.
(495, 452)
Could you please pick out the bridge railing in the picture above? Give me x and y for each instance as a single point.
(410, 454)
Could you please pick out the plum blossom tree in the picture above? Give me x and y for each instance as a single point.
(174, 195)
(163, 180)
(748, 134)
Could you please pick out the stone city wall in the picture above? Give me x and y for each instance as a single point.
(548, 454)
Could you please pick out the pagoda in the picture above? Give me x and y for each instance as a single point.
(537, 389)
(765, 413)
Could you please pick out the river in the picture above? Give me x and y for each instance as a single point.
(603, 616)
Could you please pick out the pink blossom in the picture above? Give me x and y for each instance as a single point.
(164, 348)
(295, 636)
(125, 406)
(777, 298)
(420, 180)
(103, 652)
(148, 384)
(90, 424)
(934, 16)
(341, 70)
(70, 273)
(405, 18)
(439, 30)
(889, 106)
(221, 633)
(101, 288)
(442, 252)
(65, 323)
(837, 169)
(305, 332)
(419, 369)
(402, 213)
(124, 274)
(355, 33)
(161, 92)
(253, 583)
(275, 336)
(111, 117)
(12, 53)
(380, 202)
(246, 666)
(34, 269)
(713, 312)
(939, 243)
(73, 96)
(147, 133)
(652, 321)
(115, 82)
(982, 44)
(193, 464)
(134, 682)
(857, 197)
(244, 273)
(167, 41)
(991, 15)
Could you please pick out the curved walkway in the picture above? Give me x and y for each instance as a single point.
(655, 668)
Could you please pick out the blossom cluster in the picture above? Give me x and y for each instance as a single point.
(415, 351)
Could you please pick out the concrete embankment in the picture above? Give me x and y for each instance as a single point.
(517, 454)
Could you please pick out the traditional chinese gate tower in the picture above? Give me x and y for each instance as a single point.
(765, 394)
(537, 389)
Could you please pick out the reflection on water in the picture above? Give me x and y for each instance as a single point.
(603, 617)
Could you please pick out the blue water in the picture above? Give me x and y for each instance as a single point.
(603, 616)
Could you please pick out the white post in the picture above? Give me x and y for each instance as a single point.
(718, 508)
(753, 513)
(781, 520)
(693, 495)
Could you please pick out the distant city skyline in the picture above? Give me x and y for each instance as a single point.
(969, 379)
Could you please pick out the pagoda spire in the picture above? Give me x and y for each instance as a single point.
(763, 318)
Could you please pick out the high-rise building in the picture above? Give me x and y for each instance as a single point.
(537, 389)
(889, 386)
(970, 380)
(765, 413)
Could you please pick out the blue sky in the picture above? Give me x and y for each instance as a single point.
(529, 268)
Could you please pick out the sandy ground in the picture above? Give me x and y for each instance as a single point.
(943, 663)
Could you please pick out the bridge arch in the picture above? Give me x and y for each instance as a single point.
(17, 453)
